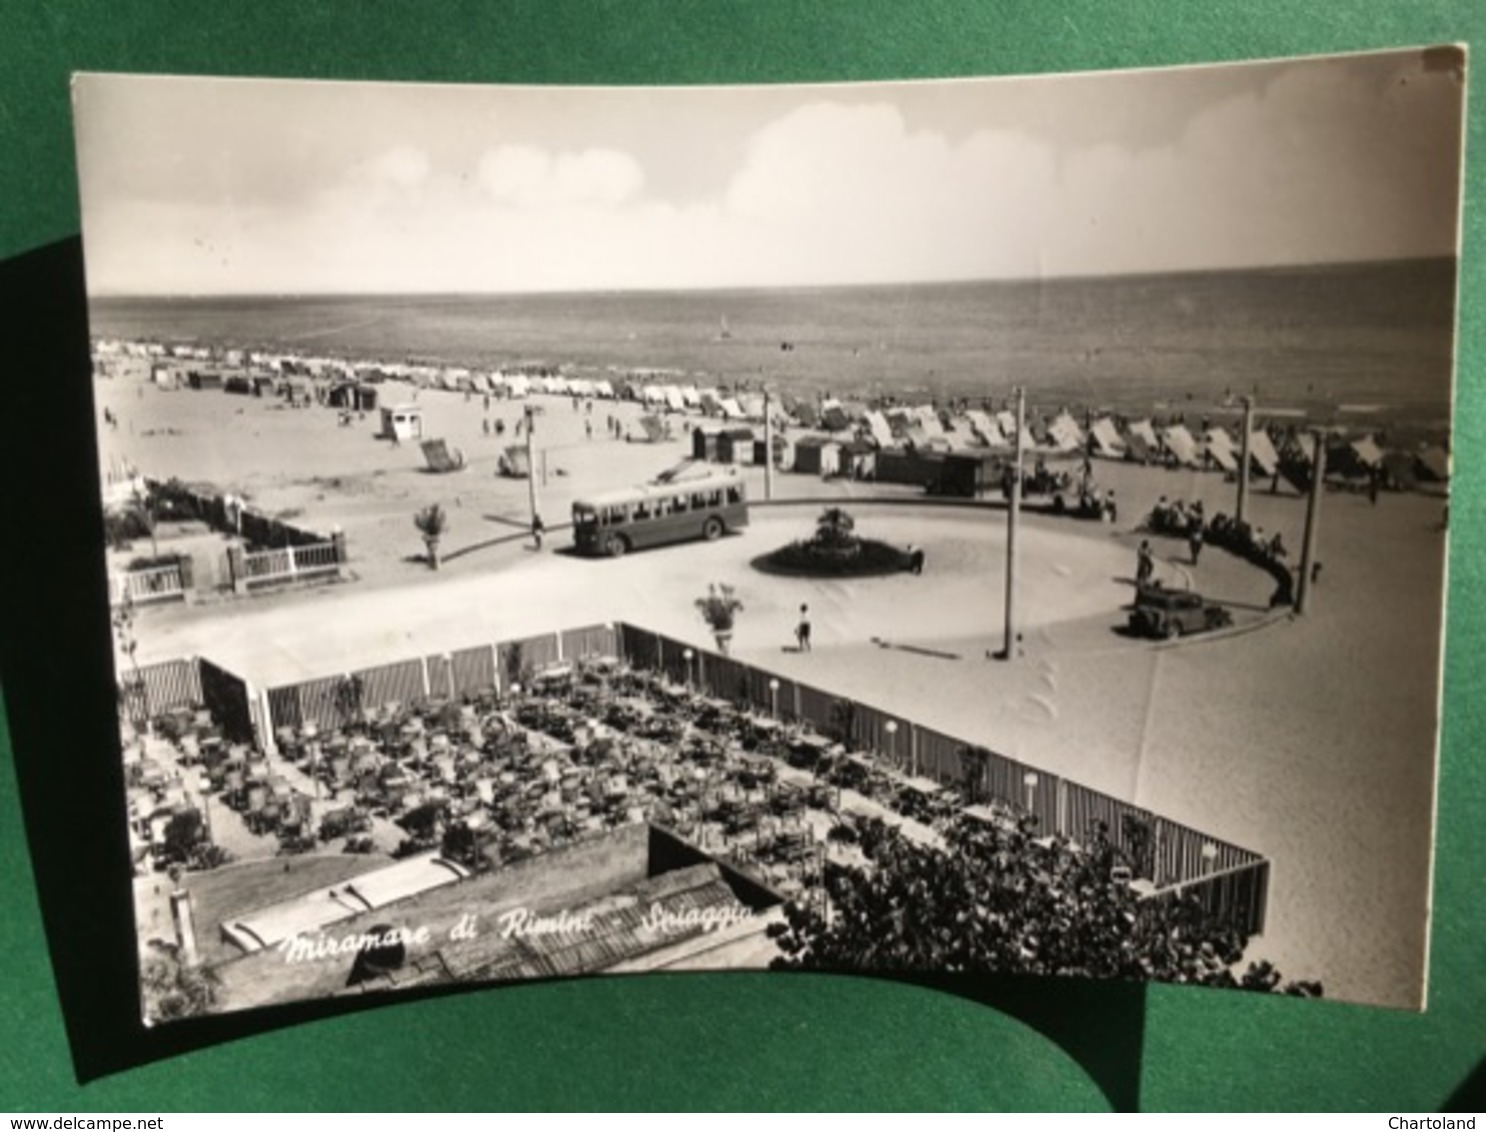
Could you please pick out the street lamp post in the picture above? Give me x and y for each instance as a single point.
(774, 698)
(1030, 780)
(1013, 515)
(686, 656)
(891, 727)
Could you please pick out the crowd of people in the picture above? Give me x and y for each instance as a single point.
(1179, 519)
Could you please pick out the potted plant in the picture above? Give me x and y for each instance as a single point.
(432, 521)
(720, 609)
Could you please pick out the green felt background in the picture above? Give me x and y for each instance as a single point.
(753, 1040)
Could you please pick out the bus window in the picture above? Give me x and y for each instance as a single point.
(735, 495)
(714, 498)
(698, 501)
(641, 511)
(678, 505)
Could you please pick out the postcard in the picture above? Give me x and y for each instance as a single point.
(953, 526)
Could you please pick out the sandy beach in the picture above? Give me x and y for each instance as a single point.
(1310, 741)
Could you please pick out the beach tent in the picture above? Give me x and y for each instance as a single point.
(1399, 471)
(806, 413)
(441, 458)
(711, 401)
(834, 418)
(1107, 440)
(1146, 433)
(987, 430)
(1006, 422)
(690, 397)
(674, 400)
(1368, 452)
(481, 383)
(1180, 444)
(926, 417)
(1221, 448)
(1262, 454)
(731, 409)
(654, 430)
(1064, 433)
(517, 385)
(652, 395)
(1432, 464)
(878, 428)
(752, 405)
(603, 389)
(299, 391)
(513, 462)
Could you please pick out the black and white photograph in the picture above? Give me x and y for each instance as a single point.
(981, 525)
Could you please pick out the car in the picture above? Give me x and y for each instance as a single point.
(1169, 614)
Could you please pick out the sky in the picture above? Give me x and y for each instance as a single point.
(238, 186)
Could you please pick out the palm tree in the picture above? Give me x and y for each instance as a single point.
(720, 609)
(432, 521)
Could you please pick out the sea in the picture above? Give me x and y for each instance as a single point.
(1367, 345)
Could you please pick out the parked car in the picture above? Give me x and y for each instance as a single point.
(1169, 614)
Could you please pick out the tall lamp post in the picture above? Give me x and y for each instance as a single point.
(891, 727)
(774, 698)
(686, 656)
(1013, 516)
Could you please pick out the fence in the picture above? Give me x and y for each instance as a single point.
(1228, 880)
(291, 563)
(154, 583)
(331, 701)
(157, 688)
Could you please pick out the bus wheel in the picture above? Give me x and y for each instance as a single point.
(615, 546)
(712, 529)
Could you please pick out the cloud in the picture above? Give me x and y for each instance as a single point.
(528, 177)
(405, 167)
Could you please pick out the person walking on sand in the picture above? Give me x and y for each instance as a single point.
(1145, 565)
(802, 630)
(1194, 541)
(537, 528)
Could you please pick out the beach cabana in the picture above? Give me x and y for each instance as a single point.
(442, 458)
(703, 444)
(602, 388)
(817, 456)
(402, 422)
(690, 397)
(513, 462)
(674, 401)
(205, 379)
(782, 451)
(735, 446)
